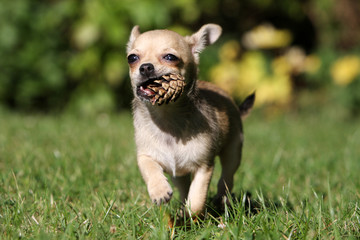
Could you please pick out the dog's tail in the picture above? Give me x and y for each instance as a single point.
(247, 105)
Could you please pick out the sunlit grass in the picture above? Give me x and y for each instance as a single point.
(76, 177)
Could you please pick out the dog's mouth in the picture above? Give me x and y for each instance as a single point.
(145, 89)
(163, 89)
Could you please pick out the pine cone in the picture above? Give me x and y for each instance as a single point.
(167, 89)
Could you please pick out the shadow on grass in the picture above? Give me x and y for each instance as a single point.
(230, 207)
(246, 204)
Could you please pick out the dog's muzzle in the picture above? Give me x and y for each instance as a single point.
(164, 89)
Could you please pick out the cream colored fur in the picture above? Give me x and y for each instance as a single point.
(182, 138)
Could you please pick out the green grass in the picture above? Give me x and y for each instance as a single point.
(67, 177)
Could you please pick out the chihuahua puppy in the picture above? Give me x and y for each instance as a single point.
(181, 136)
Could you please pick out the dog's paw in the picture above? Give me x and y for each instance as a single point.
(160, 193)
(219, 201)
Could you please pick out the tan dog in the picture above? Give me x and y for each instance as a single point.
(181, 131)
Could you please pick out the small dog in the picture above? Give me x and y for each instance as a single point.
(180, 132)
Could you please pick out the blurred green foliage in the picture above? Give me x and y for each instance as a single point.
(33, 45)
(70, 55)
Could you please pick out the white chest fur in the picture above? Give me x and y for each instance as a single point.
(178, 151)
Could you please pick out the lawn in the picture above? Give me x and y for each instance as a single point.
(71, 177)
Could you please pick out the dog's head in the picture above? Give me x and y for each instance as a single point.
(160, 56)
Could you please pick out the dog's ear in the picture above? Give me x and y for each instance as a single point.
(135, 32)
(207, 34)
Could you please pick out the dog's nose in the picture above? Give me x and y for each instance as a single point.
(146, 69)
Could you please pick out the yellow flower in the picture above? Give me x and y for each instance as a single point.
(239, 77)
(266, 36)
(274, 89)
(229, 51)
(312, 64)
(281, 66)
(225, 75)
(345, 70)
(251, 71)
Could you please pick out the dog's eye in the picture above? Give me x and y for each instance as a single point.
(132, 58)
(171, 58)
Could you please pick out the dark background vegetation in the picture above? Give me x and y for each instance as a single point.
(65, 55)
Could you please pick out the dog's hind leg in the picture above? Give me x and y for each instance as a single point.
(183, 184)
(230, 158)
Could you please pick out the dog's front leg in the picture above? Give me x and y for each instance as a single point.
(157, 184)
(198, 189)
